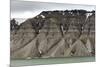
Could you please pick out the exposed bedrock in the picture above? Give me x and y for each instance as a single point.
(54, 34)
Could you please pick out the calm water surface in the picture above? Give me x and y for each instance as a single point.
(22, 62)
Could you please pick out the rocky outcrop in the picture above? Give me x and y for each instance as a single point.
(54, 34)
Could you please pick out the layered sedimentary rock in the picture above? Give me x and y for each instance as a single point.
(54, 34)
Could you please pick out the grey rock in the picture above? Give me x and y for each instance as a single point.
(54, 34)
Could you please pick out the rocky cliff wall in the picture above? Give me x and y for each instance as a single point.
(54, 34)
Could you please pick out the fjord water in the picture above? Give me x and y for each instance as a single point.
(42, 61)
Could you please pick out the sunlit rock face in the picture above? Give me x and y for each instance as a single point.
(54, 34)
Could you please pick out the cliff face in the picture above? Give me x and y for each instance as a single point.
(55, 34)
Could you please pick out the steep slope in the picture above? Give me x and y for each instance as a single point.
(54, 34)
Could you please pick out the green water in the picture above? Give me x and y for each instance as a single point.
(21, 62)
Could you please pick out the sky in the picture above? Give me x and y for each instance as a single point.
(28, 9)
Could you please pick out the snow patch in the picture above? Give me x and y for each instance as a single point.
(88, 14)
(63, 13)
(42, 16)
(40, 51)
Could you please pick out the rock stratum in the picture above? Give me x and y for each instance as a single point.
(54, 34)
